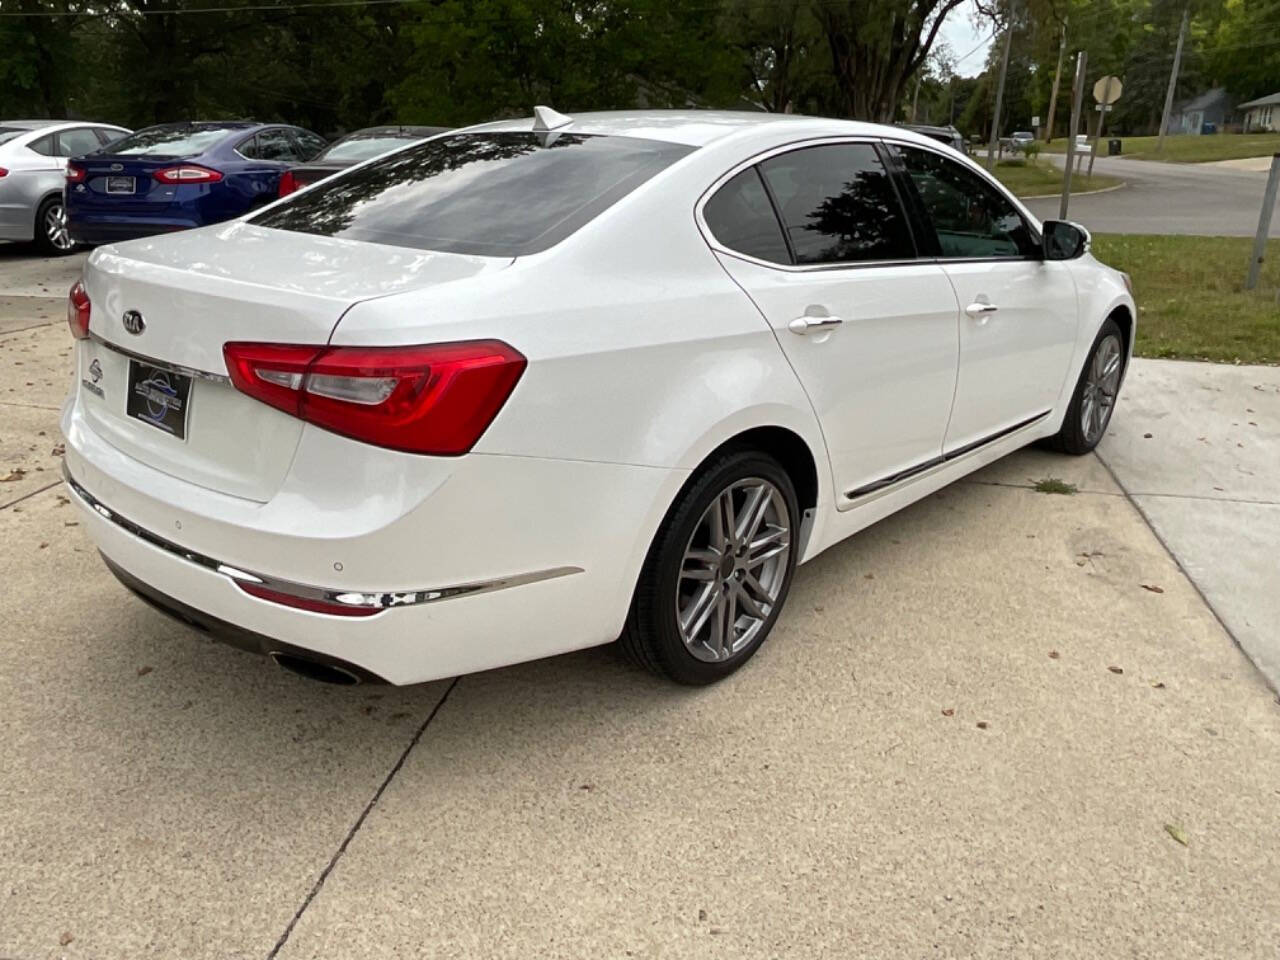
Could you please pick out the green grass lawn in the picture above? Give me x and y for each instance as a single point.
(1191, 301)
(1187, 149)
(1040, 178)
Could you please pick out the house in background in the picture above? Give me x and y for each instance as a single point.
(1262, 115)
(1203, 114)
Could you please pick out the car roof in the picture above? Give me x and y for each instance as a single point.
(697, 128)
(51, 124)
(395, 129)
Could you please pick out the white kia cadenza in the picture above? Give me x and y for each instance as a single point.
(540, 384)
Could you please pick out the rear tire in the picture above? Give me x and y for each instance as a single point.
(718, 571)
(52, 238)
(1096, 393)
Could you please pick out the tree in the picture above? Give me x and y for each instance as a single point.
(876, 46)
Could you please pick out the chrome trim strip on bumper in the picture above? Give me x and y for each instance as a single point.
(162, 364)
(351, 598)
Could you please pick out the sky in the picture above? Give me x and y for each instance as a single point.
(963, 38)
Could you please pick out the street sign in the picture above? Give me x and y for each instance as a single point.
(1035, 121)
(1107, 90)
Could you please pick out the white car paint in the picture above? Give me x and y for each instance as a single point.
(648, 348)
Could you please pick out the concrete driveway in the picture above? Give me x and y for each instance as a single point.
(977, 732)
(1181, 198)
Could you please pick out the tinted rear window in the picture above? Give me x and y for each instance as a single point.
(491, 194)
(363, 148)
(180, 141)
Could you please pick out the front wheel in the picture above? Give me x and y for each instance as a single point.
(718, 572)
(52, 238)
(1096, 391)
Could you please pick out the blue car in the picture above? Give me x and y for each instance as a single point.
(180, 175)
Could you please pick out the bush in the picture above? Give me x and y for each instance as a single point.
(1032, 150)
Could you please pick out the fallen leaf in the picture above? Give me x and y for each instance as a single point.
(1152, 587)
(66, 938)
(58, 450)
(869, 576)
(1054, 655)
(948, 711)
(1175, 831)
(44, 544)
(1146, 436)
(143, 671)
(17, 473)
(982, 724)
(586, 786)
(702, 915)
(1157, 685)
(1116, 669)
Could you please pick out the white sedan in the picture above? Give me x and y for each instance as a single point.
(539, 384)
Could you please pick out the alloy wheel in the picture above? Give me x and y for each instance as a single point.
(734, 569)
(55, 227)
(1100, 387)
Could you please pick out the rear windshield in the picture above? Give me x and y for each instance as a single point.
(181, 141)
(362, 148)
(491, 194)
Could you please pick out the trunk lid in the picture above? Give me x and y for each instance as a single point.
(125, 184)
(197, 290)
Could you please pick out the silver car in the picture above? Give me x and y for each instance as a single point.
(33, 161)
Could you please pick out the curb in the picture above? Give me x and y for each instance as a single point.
(1086, 193)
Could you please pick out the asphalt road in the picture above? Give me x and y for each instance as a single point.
(999, 723)
(1179, 198)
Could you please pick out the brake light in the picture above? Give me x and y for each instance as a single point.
(288, 184)
(75, 174)
(434, 399)
(78, 311)
(3, 172)
(305, 603)
(188, 173)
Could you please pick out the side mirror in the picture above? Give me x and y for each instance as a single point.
(1064, 240)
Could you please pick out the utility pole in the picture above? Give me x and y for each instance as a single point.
(1057, 75)
(1173, 80)
(995, 120)
(1077, 95)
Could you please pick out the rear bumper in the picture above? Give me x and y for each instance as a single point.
(102, 230)
(491, 520)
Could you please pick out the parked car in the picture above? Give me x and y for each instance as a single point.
(948, 135)
(352, 149)
(532, 385)
(1020, 139)
(33, 161)
(180, 175)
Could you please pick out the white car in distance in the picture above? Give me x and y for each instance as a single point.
(539, 384)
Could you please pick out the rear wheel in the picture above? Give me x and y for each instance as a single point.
(51, 236)
(718, 571)
(1096, 391)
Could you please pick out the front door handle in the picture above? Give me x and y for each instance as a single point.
(980, 309)
(807, 325)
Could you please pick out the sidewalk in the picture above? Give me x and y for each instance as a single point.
(1197, 448)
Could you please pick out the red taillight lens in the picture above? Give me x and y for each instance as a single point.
(288, 184)
(305, 603)
(3, 172)
(78, 311)
(188, 173)
(435, 399)
(75, 174)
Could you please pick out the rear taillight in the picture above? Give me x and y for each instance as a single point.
(78, 311)
(434, 399)
(188, 173)
(75, 174)
(3, 172)
(288, 184)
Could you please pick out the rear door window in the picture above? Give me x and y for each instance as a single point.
(274, 145)
(46, 146)
(491, 194)
(838, 205)
(73, 143)
(741, 218)
(309, 144)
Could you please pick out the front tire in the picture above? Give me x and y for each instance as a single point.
(52, 237)
(1096, 392)
(718, 572)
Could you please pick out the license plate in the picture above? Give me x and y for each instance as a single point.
(160, 397)
(119, 184)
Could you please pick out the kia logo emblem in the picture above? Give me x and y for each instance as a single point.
(133, 322)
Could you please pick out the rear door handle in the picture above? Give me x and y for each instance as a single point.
(980, 309)
(807, 325)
